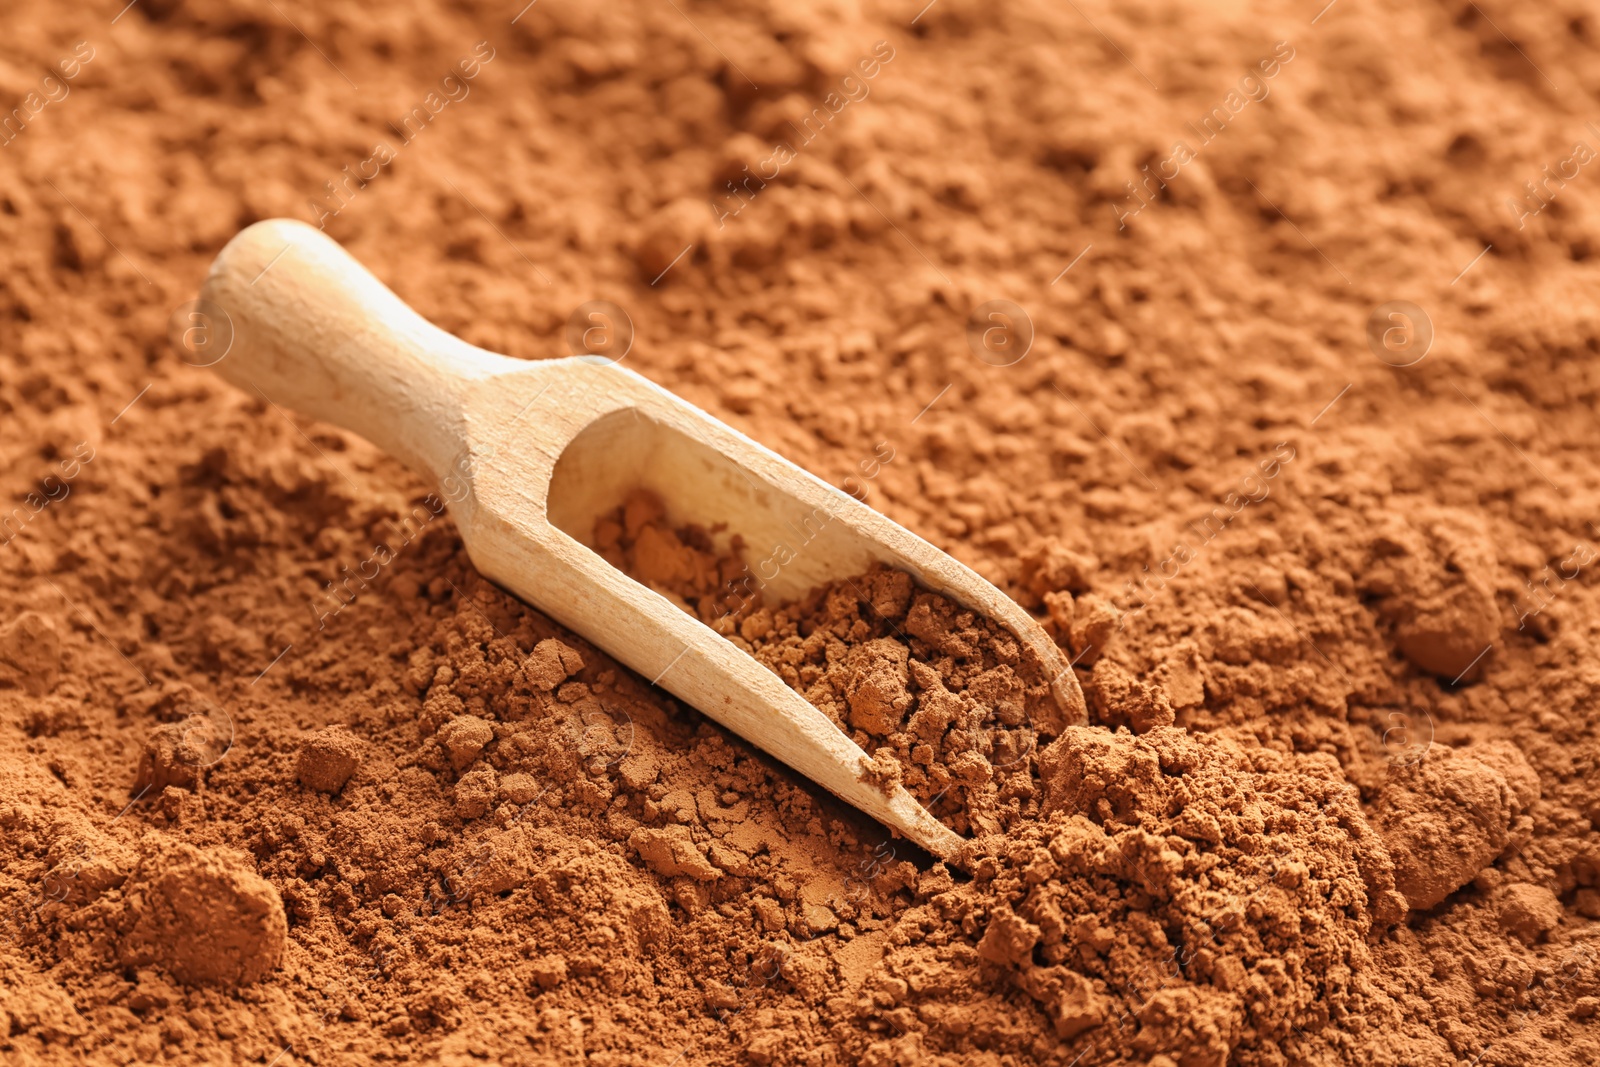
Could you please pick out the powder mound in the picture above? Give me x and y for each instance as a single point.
(943, 700)
(1190, 895)
(203, 915)
(1508, 759)
(1445, 818)
(327, 759)
(1084, 625)
(520, 788)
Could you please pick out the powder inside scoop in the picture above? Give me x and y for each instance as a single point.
(943, 700)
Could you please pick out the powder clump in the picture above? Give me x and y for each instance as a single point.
(877, 685)
(671, 852)
(30, 653)
(551, 663)
(1433, 580)
(203, 915)
(327, 759)
(1445, 817)
(1528, 912)
(174, 753)
(463, 738)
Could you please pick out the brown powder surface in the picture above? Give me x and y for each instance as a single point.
(283, 780)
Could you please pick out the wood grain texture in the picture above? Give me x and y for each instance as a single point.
(543, 448)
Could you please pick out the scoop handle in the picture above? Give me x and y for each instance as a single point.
(314, 330)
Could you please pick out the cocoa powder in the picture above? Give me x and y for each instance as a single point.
(1331, 601)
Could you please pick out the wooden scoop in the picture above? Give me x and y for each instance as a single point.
(530, 453)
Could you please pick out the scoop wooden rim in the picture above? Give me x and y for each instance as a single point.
(526, 451)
